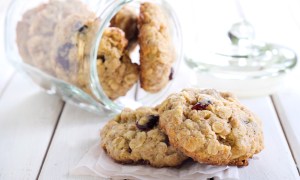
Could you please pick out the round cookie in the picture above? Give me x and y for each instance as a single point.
(133, 137)
(156, 48)
(71, 48)
(211, 127)
(36, 31)
(117, 74)
(33, 38)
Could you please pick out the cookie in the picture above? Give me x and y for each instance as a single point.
(156, 48)
(117, 74)
(126, 19)
(211, 127)
(133, 137)
(36, 31)
(58, 40)
(71, 47)
(33, 38)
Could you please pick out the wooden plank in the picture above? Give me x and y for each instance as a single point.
(27, 120)
(288, 110)
(275, 161)
(76, 132)
(287, 99)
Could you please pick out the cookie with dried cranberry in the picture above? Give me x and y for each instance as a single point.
(117, 74)
(156, 48)
(211, 127)
(133, 137)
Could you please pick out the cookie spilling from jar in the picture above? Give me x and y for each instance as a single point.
(116, 72)
(56, 39)
(208, 126)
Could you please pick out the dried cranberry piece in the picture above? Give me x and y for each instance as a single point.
(62, 57)
(201, 105)
(147, 123)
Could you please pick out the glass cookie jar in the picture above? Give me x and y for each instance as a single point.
(98, 54)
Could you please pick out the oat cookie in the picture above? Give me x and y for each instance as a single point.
(156, 48)
(71, 47)
(33, 39)
(133, 137)
(36, 31)
(117, 73)
(211, 127)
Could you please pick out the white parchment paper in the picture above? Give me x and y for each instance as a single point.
(96, 163)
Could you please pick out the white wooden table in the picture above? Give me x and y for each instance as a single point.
(41, 137)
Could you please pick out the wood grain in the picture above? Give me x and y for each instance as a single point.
(27, 120)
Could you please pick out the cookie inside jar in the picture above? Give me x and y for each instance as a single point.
(122, 53)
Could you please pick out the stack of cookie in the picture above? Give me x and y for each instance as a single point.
(208, 126)
(150, 31)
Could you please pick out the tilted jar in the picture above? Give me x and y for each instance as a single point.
(56, 43)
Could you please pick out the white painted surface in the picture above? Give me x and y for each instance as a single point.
(275, 161)
(77, 131)
(27, 120)
(289, 112)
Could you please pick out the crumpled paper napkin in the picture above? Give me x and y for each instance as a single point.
(96, 163)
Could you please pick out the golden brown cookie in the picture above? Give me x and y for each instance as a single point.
(156, 48)
(211, 127)
(133, 137)
(117, 73)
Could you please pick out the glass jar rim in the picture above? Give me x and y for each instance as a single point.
(105, 16)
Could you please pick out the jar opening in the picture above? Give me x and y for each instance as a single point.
(141, 97)
(105, 17)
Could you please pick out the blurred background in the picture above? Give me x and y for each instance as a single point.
(205, 25)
